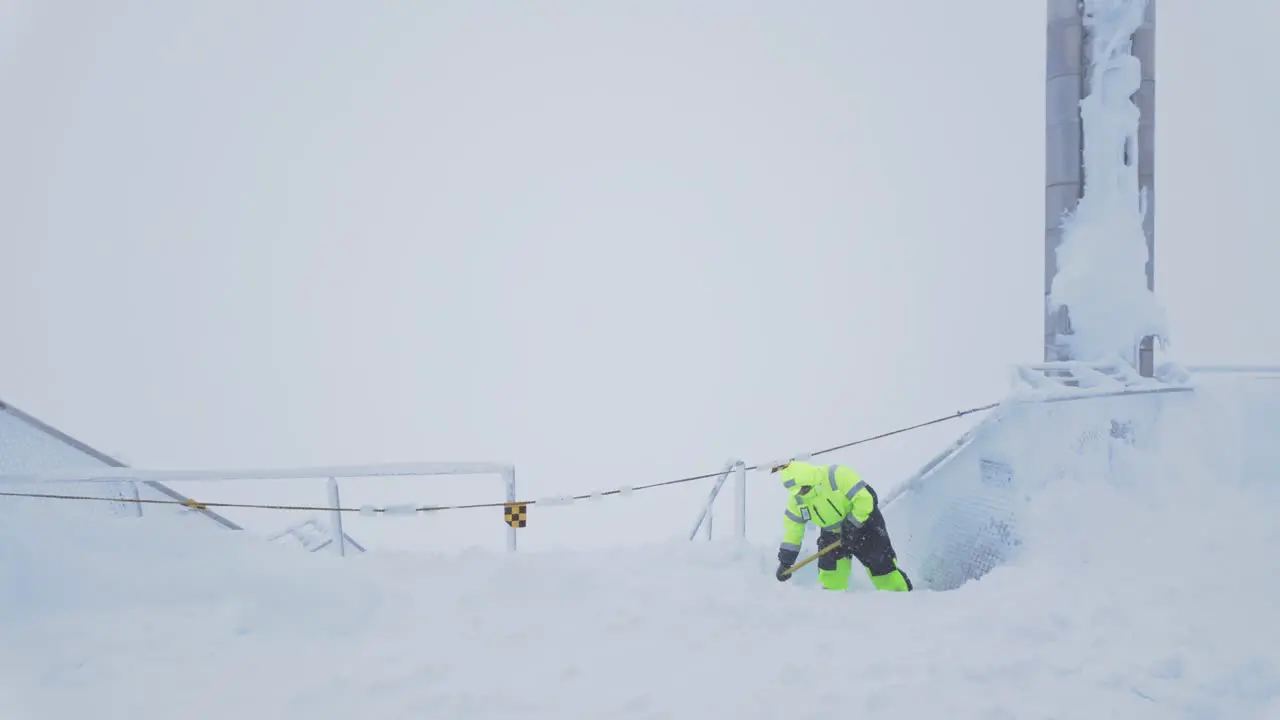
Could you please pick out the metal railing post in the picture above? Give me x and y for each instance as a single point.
(509, 477)
(740, 498)
(137, 498)
(705, 515)
(335, 502)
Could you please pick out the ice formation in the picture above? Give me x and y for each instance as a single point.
(1101, 276)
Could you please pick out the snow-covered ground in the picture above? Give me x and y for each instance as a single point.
(1142, 593)
(1139, 586)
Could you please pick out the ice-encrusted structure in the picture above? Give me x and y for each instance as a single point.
(1102, 259)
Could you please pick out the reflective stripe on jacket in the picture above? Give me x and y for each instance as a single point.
(836, 494)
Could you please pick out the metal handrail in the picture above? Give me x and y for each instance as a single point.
(132, 477)
(739, 469)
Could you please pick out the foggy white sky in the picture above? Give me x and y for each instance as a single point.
(608, 243)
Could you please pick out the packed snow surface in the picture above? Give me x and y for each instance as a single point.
(1142, 596)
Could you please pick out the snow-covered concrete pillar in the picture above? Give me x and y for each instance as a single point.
(1064, 142)
(1144, 48)
(1069, 67)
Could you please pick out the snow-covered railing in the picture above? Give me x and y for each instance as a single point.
(1259, 370)
(1112, 374)
(38, 484)
(739, 470)
(1254, 396)
(1074, 379)
(1047, 382)
(313, 535)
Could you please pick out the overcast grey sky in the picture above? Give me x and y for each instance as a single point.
(609, 242)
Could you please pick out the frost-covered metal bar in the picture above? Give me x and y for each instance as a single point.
(705, 515)
(136, 497)
(1236, 369)
(509, 478)
(740, 497)
(335, 518)
(342, 471)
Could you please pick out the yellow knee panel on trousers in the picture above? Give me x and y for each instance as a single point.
(837, 579)
(893, 582)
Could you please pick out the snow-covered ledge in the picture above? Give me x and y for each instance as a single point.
(1077, 378)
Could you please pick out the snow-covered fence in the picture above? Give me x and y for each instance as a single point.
(44, 485)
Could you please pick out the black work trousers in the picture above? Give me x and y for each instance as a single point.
(869, 543)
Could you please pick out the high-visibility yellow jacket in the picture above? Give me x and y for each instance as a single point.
(825, 495)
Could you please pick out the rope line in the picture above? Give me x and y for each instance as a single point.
(956, 416)
(393, 510)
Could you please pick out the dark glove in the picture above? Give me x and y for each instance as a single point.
(786, 558)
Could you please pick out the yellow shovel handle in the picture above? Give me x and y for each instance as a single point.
(811, 558)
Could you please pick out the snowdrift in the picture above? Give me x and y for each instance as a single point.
(1137, 585)
(984, 502)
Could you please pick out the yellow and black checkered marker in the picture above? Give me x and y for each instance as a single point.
(516, 514)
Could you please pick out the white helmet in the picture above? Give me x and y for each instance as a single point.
(774, 466)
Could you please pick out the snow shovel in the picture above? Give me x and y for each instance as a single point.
(811, 558)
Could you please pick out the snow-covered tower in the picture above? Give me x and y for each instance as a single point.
(1100, 114)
